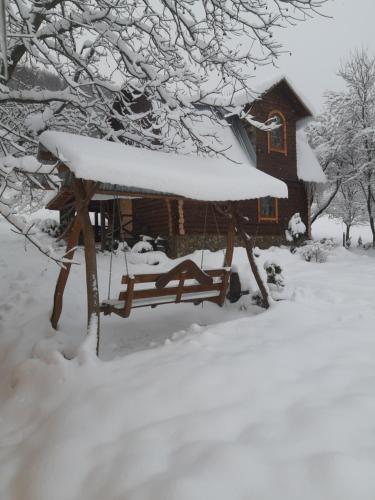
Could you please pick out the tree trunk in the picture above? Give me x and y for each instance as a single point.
(372, 225)
(327, 203)
(347, 233)
(83, 191)
(64, 272)
(370, 214)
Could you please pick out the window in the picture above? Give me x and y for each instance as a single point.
(268, 209)
(277, 137)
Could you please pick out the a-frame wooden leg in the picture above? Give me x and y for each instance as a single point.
(83, 191)
(249, 250)
(230, 242)
(73, 237)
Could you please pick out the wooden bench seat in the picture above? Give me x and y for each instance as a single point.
(184, 283)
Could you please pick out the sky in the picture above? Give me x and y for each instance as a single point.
(320, 44)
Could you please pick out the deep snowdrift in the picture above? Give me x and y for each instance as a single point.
(276, 404)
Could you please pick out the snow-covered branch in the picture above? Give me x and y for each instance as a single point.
(14, 173)
(174, 54)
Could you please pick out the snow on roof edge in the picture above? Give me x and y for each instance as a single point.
(241, 98)
(308, 166)
(194, 177)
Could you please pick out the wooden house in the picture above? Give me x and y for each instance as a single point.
(185, 224)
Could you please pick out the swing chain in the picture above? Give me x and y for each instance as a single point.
(217, 227)
(111, 258)
(204, 234)
(122, 236)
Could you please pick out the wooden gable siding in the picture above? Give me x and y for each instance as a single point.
(278, 164)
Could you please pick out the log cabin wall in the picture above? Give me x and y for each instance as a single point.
(153, 218)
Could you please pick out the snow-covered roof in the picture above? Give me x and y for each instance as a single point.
(233, 137)
(218, 134)
(205, 179)
(258, 86)
(308, 166)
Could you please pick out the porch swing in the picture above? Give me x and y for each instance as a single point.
(90, 167)
(185, 282)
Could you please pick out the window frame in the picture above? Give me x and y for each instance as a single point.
(267, 218)
(271, 147)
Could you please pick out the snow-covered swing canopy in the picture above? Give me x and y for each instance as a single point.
(90, 166)
(131, 170)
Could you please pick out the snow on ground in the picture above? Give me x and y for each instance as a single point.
(228, 404)
(328, 227)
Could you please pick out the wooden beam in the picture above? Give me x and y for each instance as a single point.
(83, 192)
(249, 250)
(227, 211)
(102, 226)
(308, 201)
(231, 234)
(73, 237)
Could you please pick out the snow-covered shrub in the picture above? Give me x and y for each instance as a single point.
(275, 282)
(161, 244)
(148, 244)
(145, 237)
(150, 258)
(296, 229)
(317, 251)
(142, 247)
(328, 244)
(48, 226)
(274, 274)
(314, 253)
(125, 246)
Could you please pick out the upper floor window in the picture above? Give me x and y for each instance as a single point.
(277, 137)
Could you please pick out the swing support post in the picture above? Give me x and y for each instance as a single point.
(73, 237)
(83, 192)
(237, 217)
(231, 234)
(235, 224)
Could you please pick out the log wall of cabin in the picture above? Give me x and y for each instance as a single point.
(153, 218)
(195, 214)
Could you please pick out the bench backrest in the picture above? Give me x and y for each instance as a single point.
(178, 287)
